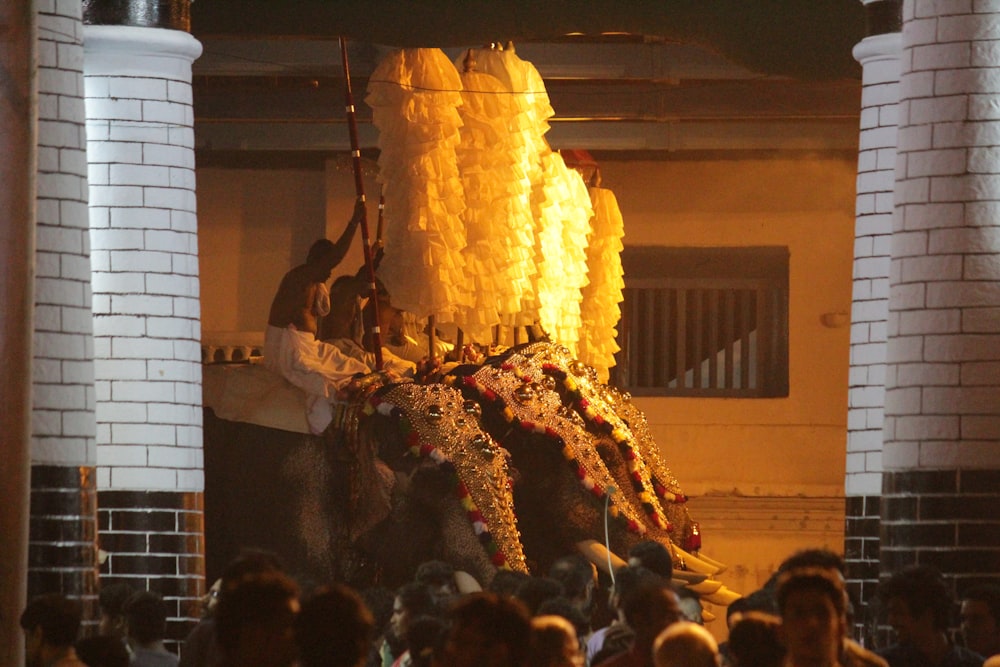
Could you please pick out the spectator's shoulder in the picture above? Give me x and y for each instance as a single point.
(963, 657)
(856, 655)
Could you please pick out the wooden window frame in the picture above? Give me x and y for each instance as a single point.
(702, 310)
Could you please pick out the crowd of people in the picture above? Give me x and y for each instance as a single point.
(257, 615)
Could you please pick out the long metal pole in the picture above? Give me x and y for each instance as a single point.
(359, 187)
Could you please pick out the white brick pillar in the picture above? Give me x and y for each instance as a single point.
(942, 411)
(147, 331)
(63, 542)
(878, 54)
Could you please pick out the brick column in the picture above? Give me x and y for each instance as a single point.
(942, 427)
(63, 542)
(17, 231)
(147, 327)
(878, 54)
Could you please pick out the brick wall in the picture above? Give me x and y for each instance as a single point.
(879, 56)
(942, 408)
(147, 331)
(63, 532)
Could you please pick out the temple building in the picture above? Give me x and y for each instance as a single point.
(811, 315)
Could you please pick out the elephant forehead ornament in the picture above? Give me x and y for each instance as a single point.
(541, 388)
(517, 390)
(610, 411)
(442, 426)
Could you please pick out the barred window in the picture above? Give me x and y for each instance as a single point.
(709, 322)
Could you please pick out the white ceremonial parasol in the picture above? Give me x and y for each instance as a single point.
(602, 298)
(486, 162)
(415, 95)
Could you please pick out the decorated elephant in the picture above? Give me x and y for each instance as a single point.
(538, 458)
(510, 463)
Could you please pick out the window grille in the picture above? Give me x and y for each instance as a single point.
(704, 322)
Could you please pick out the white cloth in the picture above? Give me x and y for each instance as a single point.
(322, 305)
(391, 363)
(320, 369)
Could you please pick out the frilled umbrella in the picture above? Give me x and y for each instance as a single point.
(487, 161)
(527, 127)
(415, 95)
(563, 215)
(602, 297)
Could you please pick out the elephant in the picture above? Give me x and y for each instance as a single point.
(507, 464)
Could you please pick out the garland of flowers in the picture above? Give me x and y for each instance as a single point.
(624, 442)
(426, 450)
(588, 482)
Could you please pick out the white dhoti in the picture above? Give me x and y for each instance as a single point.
(316, 367)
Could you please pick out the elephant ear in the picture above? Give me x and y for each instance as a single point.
(441, 427)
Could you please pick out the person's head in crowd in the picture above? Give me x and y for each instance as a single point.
(102, 651)
(578, 577)
(254, 620)
(146, 620)
(249, 561)
(554, 643)
(648, 610)
(439, 577)
(735, 609)
(506, 582)
(425, 639)
(412, 600)
(536, 590)
(652, 555)
(811, 602)
(763, 600)
(111, 601)
(487, 631)
(627, 579)
(565, 608)
(917, 602)
(690, 603)
(980, 613)
(685, 644)
(50, 623)
(818, 558)
(823, 559)
(333, 629)
(754, 640)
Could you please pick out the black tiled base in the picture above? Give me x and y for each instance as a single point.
(62, 542)
(861, 556)
(155, 541)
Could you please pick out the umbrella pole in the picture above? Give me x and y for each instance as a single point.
(431, 336)
(381, 218)
(359, 187)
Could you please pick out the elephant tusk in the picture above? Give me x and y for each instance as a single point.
(466, 583)
(696, 564)
(711, 561)
(684, 577)
(705, 588)
(599, 555)
(724, 596)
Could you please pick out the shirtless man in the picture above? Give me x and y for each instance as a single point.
(298, 301)
(291, 346)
